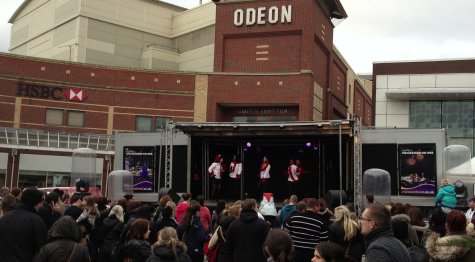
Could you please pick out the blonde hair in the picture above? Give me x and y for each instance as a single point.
(350, 226)
(168, 237)
(445, 181)
(173, 206)
(118, 211)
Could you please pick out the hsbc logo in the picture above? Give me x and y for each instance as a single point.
(56, 93)
(76, 95)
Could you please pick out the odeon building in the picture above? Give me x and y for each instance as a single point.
(254, 78)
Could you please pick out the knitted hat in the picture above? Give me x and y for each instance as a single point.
(31, 196)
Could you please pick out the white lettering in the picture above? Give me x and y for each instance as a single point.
(286, 14)
(261, 16)
(238, 17)
(250, 16)
(273, 15)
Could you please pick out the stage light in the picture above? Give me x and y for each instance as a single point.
(315, 148)
(308, 144)
(248, 144)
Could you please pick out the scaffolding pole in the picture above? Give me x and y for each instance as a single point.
(357, 174)
(168, 144)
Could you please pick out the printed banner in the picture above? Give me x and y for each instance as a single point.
(140, 161)
(418, 169)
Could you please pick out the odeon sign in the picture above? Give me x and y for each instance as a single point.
(263, 15)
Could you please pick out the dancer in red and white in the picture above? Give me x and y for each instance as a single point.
(264, 175)
(235, 172)
(216, 172)
(293, 177)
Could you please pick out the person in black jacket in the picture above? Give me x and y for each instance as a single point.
(192, 232)
(168, 248)
(166, 220)
(381, 245)
(136, 246)
(63, 243)
(49, 212)
(346, 234)
(246, 236)
(108, 234)
(22, 231)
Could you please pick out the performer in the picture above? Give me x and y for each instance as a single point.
(235, 171)
(264, 175)
(216, 172)
(293, 178)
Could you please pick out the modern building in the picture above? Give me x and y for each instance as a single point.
(427, 94)
(91, 69)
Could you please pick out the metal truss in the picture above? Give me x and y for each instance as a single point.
(357, 171)
(168, 144)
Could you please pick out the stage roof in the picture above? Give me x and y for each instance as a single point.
(235, 129)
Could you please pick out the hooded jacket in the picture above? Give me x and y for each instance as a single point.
(246, 236)
(135, 249)
(446, 196)
(23, 234)
(457, 248)
(285, 212)
(63, 243)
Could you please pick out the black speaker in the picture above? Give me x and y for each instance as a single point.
(168, 191)
(332, 197)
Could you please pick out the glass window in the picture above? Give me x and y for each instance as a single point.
(31, 179)
(143, 123)
(58, 180)
(3, 173)
(425, 114)
(161, 122)
(457, 116)
(54, 117)
(76, 118)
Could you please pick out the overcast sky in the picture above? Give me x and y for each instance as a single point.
(375, 30)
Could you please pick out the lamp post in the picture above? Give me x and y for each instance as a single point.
(335, 124)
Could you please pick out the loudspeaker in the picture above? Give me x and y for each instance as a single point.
(168, 191)
(332, 197)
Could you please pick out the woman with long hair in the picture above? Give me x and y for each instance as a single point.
(419, 225)
(346, 233)
(136, 247)
(279, 246)
(192, 232)
(329, 252)
(168, 248)
(110, 231)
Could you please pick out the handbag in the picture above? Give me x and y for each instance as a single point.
(214, 238)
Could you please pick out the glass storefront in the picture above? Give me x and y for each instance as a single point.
(3, 174)
(47, 179)
(456, 116)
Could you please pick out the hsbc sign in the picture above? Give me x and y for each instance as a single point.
(56, 93)
(263, 15)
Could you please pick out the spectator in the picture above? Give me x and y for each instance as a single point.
(50, 211)
(110, 232)
(381, 245)
(401, 229)
(136, 246)
(246, 236)
(220, 206)
(161, 204)
(192, 232)
(168, 248)
(419, 226)
(286, 210)
(229, 215)
(63, 244)
(437, 222)
(166, 221)
(411, 232)
(4, 191)
(456, 245)
(446, 198)
(16, 192)
(181, 207)
(279, 246)
(369, 199)
(205, 215)
(307, 230)
(8, 202)
(471, 210)
(329, 252)
(268, 210)
(23, 231)
(345, 232)
(75, 209)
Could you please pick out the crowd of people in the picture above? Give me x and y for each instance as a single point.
(56, 227)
